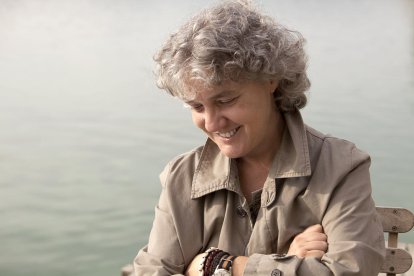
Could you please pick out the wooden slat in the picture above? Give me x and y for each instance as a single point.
(392, 239)
(397, 220)
(397, 261)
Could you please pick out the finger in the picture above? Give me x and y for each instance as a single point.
(314, 228)
(310, 236)
(302, 249)
(314, 236)
(315, 253)
(316, 245)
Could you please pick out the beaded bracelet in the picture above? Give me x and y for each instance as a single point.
(208, 267)
(206, 254)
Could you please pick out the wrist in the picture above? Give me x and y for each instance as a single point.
(239, 265)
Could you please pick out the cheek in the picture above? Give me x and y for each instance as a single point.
(197, 120)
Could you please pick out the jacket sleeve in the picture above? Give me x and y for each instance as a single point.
(162, 255)
(355, 235)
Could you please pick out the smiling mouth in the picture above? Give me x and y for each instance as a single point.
(228, 134)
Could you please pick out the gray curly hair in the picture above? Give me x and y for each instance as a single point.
(233, 41)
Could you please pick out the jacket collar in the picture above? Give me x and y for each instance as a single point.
(216, 171)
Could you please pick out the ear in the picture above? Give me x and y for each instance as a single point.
(272, 84)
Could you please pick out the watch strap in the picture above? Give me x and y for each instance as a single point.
(226, 262)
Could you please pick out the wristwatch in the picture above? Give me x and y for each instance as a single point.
(225, 266)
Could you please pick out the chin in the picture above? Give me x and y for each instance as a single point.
(231, 151)
(231, 154)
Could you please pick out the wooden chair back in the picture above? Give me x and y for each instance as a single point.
(395, 221)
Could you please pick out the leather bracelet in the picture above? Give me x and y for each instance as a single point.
(217, 260)
(229, 261)
(225, 266)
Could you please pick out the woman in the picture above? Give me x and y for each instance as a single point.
(271, 195)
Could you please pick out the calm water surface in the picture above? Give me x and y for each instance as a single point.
(84, 132)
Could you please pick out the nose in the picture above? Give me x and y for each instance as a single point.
(213, 120)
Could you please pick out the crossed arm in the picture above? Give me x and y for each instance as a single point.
(312, 242)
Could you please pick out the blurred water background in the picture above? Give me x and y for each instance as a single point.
(84, 132)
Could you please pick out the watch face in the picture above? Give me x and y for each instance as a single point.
(222, 272)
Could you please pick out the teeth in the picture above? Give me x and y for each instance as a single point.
(227, 134)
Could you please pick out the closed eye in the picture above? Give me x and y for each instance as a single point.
(194, 106)
(226, 101)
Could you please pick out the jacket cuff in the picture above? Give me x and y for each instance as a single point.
(272, 265)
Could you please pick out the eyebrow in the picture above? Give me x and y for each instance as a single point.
(220, 94)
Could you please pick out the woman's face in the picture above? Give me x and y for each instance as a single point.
(240, 117)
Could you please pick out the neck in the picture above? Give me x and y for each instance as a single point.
(253, 170)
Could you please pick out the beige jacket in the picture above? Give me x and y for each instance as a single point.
(314, 179)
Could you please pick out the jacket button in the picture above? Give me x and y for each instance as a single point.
(241, 212)
(276, 272)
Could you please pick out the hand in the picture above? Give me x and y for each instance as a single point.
(310, 243)
(194, 267)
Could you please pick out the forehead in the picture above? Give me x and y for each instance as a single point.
(197, 90)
